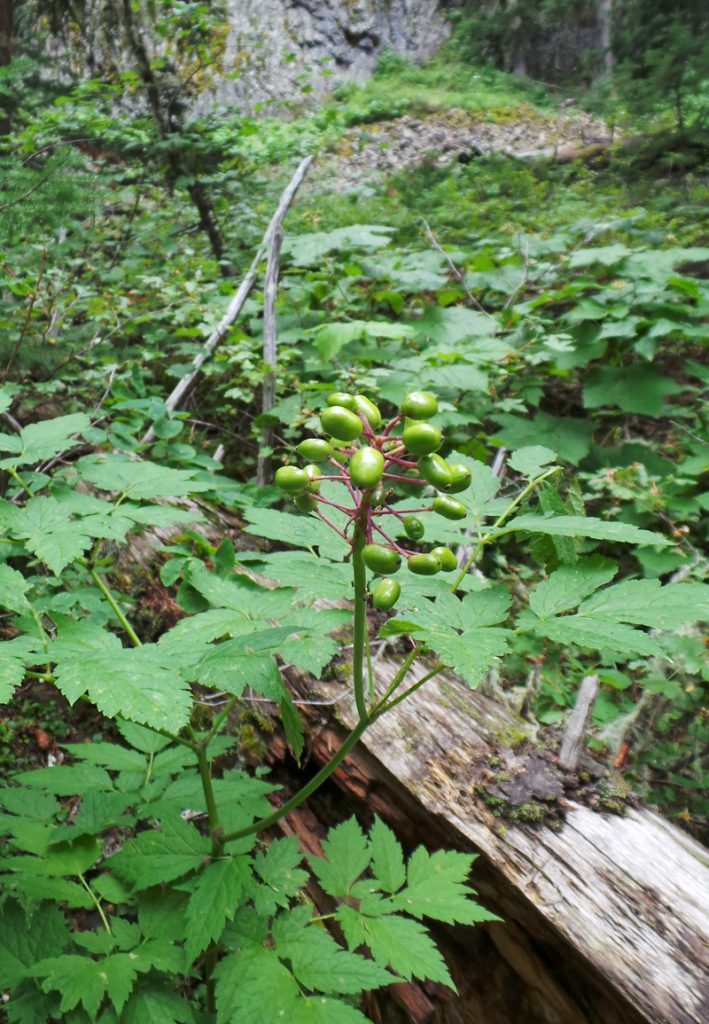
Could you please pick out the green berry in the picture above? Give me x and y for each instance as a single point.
(291, 479)
(436, 470)
(460, 478)
(341, 423)
(306, 502)
(315, 449)
(419, 405)
(368, 410)
(343, 399)
(424, 565)
(446, 557)
(413, 527)
(380, 559)
(385, 595)
(422, 438)
(312, 472)
(366, 467)
(449, 508)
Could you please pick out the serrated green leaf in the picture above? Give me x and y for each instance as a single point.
(81, 980)
(634, 389)
(109, 888)
(138, 479)
(308, 249)
(153, 1003)
(314, 578)
(569, 585)
(154, 857)
(215, 899)
(29, 803)
(406, 947)
(607, 255)
(108, 755)
(531, 461)
(58, 860)
(387, 857)
(48, 532)
(316, 960)
(301, 531)
(647, 603)
(598, 635)
(279, 868)
(28, 936)
(15, 655)
(436, 888)
(469, 654)
(58, 890)
(66, 780)
(568, 437)
(48, 437)
(332, 336)
(13, 587)
(321, 1010)
(28, 1005)
(585, 526)
(253, 985)
(97, 812)
(347, 856)
(139, 736)
(129, 682)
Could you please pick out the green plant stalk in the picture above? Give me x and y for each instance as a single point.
(407, 693)
(96, 902)
(493, 533)
(396, 681)
(359, 574)
(130, 632)
(219, 722)
(295, 801)
(370, 677)
(18, 480)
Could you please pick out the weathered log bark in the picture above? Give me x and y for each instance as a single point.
(606, 916)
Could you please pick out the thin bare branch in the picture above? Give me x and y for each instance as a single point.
(234, 308)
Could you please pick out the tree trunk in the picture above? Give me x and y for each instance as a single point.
(605, 21)
(605, 914)
(6, 11)
(168, 129)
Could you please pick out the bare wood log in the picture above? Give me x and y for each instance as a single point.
(270, 353)
(234, 308)
(626, 896)
(575, 732)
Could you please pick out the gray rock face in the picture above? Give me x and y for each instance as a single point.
(281, 50)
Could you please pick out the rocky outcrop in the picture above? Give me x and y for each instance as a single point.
(281, 51)
(368, 154)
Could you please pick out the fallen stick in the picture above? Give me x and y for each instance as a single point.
(270, 356)
(575, 733)
(219, 332)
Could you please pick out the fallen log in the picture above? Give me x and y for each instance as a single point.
(606, 914)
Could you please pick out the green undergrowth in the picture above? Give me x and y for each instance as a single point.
(562, 307)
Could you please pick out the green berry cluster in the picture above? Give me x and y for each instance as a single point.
(364, 455)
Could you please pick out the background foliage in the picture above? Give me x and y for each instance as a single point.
(559, 310)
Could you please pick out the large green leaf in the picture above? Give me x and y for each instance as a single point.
(137, 684)
(155, 857)
(331, 337)
(42, 440)
(218, 893)
(585, 526)
(28, 936)
(138, 479)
